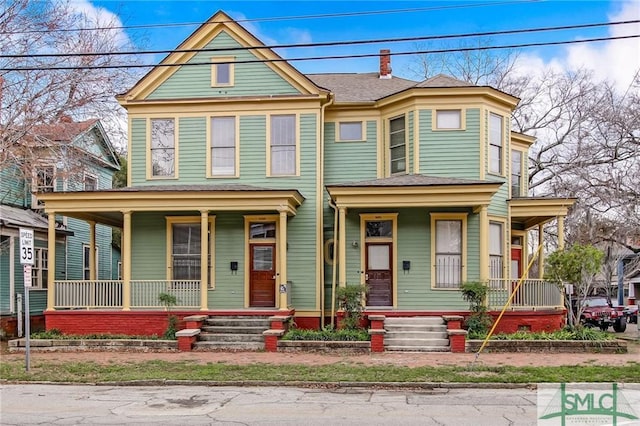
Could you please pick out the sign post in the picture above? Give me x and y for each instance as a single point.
(27, 254)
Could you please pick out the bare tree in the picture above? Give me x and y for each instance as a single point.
(31, 98)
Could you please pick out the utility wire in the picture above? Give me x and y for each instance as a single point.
(327, 43)
(317, 58)
(278, 18)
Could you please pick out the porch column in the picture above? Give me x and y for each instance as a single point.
(51, 272)
(92, 251)
(484, 245)
(342, 246)
(560, 232)
(126, 261)
(282, 246)
(541, 255)
(204, 259)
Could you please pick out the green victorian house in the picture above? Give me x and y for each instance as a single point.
(255, 189)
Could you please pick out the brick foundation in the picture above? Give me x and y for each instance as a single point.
(147, 323)
(530, 321)
(9, 325)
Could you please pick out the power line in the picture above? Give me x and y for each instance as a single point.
(317, 58)
(328, 43)
(277, 18)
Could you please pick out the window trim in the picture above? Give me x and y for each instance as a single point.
(90, 176)
(406, 145)
(248, 220)
(363, 131)
(434, 119)
(375, 217)
(523, 155)
(35, 204)
(503, 144)
(220, 60)
(297, 144)
(176, 150)
(504, 244)
(464, 229)
(209, 160)
(88, 269)
(38, 274)
(170, 221)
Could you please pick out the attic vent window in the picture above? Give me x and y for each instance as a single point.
(222, 71)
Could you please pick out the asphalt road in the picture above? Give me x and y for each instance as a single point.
(33, 404)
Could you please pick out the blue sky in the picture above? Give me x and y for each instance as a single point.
(444, 17)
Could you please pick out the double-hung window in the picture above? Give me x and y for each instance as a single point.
(40, 269)
(397, 145)
(186, 251)
(516, 173)
(496, 253)
(283, 145)
(448, 253)
(86, 267)
(90, 183)
(44, 180)
(496, 141)
(223, 146)
(163, 144)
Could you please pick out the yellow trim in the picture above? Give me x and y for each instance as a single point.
(448, 216)
(209, 136)
(363, 131)
(483, 234)
(374, 217)
(537, 211)
(126, 260)
(296, 116)
(434, 119)
(505, 243)
(416, 141)
(342, 247)
(483, 143)
(521, 140)
(504, 146)
(170, 221)
(51, 272)
(348, 113)
(387, 138)
(176, 149)
(452, 95)
(248, 220)
(217, 60)
(523, 171)
(129, 149)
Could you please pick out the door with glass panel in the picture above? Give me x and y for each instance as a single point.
(262, 275)
(378, 275)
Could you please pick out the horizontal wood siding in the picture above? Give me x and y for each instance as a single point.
(5, 262)
(138, 148)
(148, 246)
(453, 153)
(193, 150)
(75, 249)
(349, 161)
(249, 79)
(13, 190)
(229, 240)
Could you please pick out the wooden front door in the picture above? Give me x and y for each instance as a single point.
(262, 275)
(378, 274)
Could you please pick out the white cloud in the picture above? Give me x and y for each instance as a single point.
(101, 17)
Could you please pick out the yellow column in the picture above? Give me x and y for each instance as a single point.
(561, 232)
(51, 272)
(484, 245)
(126, 261)
(282, 246)
(342, 246)
(92, 251)
(541, 255)
(204, 259)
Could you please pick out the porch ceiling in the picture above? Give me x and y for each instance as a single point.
(414, 191)
(533, 211)
(107, 206)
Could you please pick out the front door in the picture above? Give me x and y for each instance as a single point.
(378, 274)
(516, 273)
(262, 275)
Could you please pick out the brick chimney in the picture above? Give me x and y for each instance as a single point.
(385, 63)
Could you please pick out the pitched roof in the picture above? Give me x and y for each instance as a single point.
(414, 180)
(15, 217)
(63, 131)
(442, 80)
(365, 87)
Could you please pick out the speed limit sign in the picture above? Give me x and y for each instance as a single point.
(26, 246)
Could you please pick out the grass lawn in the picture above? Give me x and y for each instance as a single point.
(91, 372)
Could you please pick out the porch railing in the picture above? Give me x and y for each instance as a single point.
(108, 294)
(532, 294)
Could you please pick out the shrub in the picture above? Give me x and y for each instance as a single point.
(169, 300)
(479, 321)
(577, 333)
(349, 300)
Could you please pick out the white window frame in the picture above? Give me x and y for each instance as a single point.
(40, 269)
(191, 220)
(89, 176)
(403, 145)
(211, 152)
(459, 217)
(36, 187)
(273, 142)
(517, 174)
(496, 145)
(216, 63)
(497, 245)
(340, 137)
(439, 125)
(86, 267)
(151, 148)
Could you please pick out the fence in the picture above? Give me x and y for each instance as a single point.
(531, 294)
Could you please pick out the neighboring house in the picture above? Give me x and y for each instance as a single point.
(88, 164)
(253, 188)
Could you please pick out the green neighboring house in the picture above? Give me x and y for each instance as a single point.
(88, 164)
(253, 188)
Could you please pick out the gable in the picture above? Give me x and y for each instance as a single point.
(269, 76)
(96, 143)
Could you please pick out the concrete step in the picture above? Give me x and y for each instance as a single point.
(433, 320)
(417, 348)
(415, 342)
(416, 334)
(233, 346)
(240, 322)
(414, 327)
(220, 329)
(228, 337)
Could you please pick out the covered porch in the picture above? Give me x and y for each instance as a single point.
(173, 204)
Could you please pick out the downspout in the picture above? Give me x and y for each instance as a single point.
(321, 224)
(334, 260)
